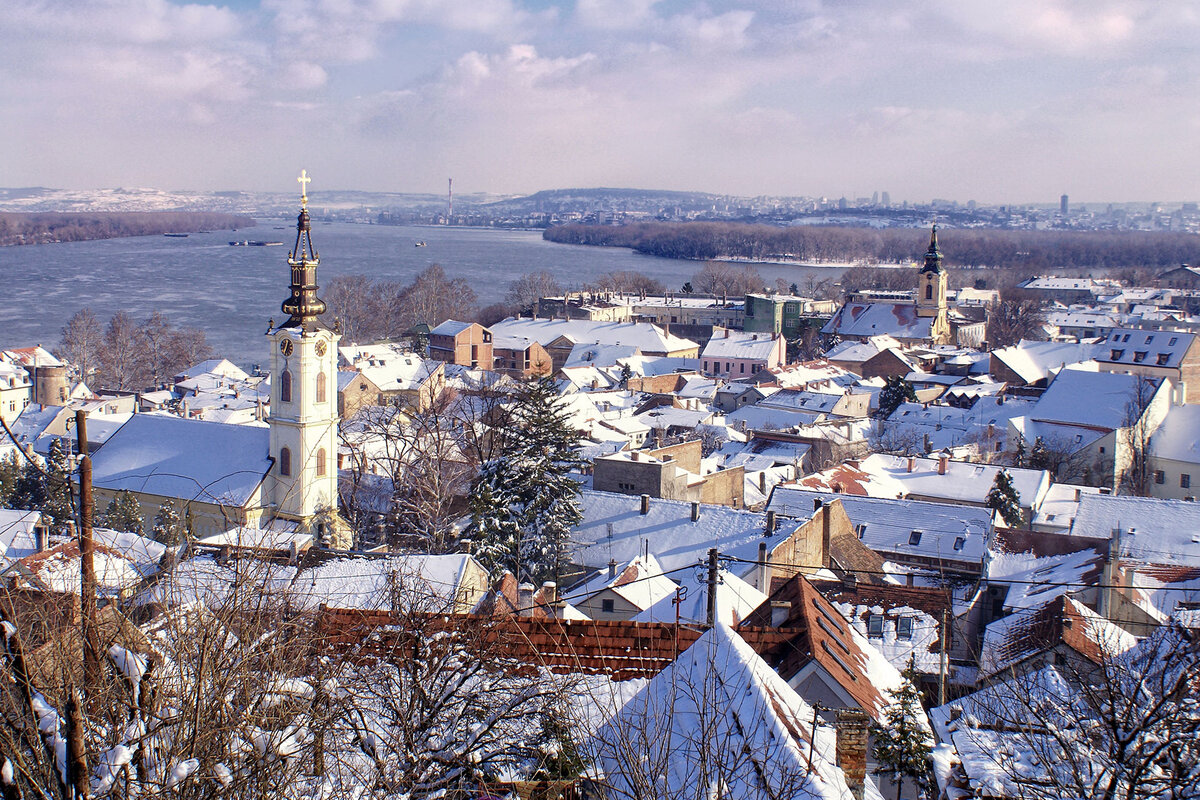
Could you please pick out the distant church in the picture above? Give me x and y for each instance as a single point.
(282, 476)
(924, 320)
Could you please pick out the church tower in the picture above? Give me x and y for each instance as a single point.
(931, 292)
(303, 480)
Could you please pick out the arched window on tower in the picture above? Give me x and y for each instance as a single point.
(929, 291)
(321, 461)
(320, 387)
(285, 461)
(285, 387)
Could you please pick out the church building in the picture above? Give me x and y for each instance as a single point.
(226, 476)
(923, 320)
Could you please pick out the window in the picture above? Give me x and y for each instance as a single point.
(1125, 338)
(606, 606)
(875, 626)
(1185, 481)
(1172, 341)
(285, 461)
(321, 461)
(285, 387)
(1160, 477)
(1163, 358)
(320, 387)
(914, 538)
(960, 542)
(1116, 355)
(742, 367)
(904, 627)
(861, 529)
(1139, 356)
(929, 291)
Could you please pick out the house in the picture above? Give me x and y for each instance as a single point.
(1182, 277)
(1065, 290)
(1093, 441)
(1175, 454)
(783, 314)
(902, 622)
(355, 391)
(737, 354)
(520, 356)
(733, 600)
(1030, 363)
(22, 533)
(1173, 355)
(559, 337)
(623, 592)
(925, 536)
(689, 731)
(440, 584)
(672, 473)
(467, 344)
(403, 378)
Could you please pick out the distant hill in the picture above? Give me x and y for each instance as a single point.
(47, 227)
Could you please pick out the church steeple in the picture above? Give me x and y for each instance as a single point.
(302, 306)
(933, 256)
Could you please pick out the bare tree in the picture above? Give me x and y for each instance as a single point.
(524, 293)
(1138, 426)
(81, 342)
(1019, 315)
(724, 278)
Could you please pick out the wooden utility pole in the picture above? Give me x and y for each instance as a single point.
(76, 755)
(712, 587)
(81, 442)
(87, 584)
(944, 663)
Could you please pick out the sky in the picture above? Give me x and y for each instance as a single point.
(1002, 102)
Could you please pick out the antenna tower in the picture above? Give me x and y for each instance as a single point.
(450, 202)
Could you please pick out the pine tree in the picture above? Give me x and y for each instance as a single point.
(56, 505)
(10, 474)
(1039, 458)
(525, 502)
(1003, 499)
(903, 742)
(1019, 455)
(626, 374)
(893, 394)
(168, 527)
(124, 513)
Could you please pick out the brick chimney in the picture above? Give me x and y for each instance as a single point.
(912, 463)
(826, 537)
(852, 749)
(525, 599)
(770, 522)
(612, 568)
(943, 461)
(645, 504)
(695, 511)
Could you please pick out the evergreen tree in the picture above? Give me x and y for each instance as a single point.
(124, 513)
(525, 502)
(896, 391)
(10, 474)
(626, 374)
(1003, 499)
(168, 527)
(1039, 457)
(687, 288)
(1019, 455)
(57, 505)
(903, 742)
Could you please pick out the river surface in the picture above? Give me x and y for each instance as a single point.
(231, 292)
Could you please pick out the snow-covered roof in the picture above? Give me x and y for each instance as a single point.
(1154, 531)
(751, 719)
(1034, 579)
(735, 599)
(1063, 620)
(599, 355)
(450, 327)
(639, 582)
(667, 529)
(820, 371)
(17, 538)
(36, 356)
(883, 475)
(645, 336)
(1033, 361)
(1060, 506)
(184, 459)
(871, 319)
(727, 343)
(422, 582)
(389, 366)
(950, 532)
(214, 366)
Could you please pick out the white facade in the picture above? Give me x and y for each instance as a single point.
(303, 421)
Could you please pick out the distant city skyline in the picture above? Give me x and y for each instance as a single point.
(1016, 103)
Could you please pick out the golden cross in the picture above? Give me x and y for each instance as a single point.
(304, 180)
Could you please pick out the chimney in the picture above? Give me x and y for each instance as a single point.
(780, 611)
(645, 504)
(1077, 494)
(39, 538)
(549, 594)
(727, 333)
(764, 569)
(852, 749)
(943, 460)
(525, 599)
(762, 482)
(817, 503)
(695, 511)
(612, 568)
(852, 463)
(912, 463)
(826, 537)
(770, 522)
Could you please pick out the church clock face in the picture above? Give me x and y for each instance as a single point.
(320, 348)
(285, 347)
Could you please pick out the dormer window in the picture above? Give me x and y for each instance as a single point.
(904, 628)
(875, 626)
(1117, 355)
(914, 538)
(1139, 356)
(1163, 358)
(959, 543)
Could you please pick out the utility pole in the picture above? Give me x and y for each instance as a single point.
(712, 587)
(81, 441)
(87, 585)
(944, 666)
